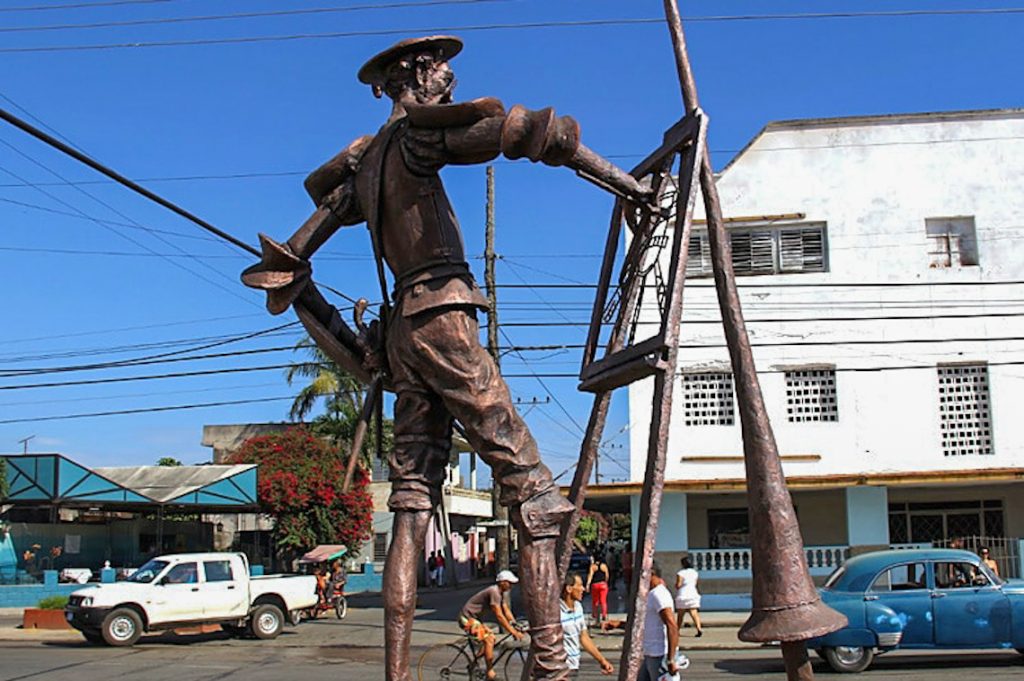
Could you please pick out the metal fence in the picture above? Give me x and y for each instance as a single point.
(1005, 551)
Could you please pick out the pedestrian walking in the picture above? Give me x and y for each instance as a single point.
(440, 569)
(661, 634)
(432, 569)
(597, 585)
(575, 635)
(687, 596)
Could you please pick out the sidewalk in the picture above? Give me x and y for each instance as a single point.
(436, 614)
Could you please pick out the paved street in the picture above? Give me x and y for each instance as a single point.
(172, 661)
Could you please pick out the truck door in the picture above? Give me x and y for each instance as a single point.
(177, 596)
(227, 595)
(969, 609)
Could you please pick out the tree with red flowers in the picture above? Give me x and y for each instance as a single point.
(299, 485)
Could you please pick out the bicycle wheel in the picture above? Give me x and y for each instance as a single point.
(447, 661)
(515, 660)
(340, 607)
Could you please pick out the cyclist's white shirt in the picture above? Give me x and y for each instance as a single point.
(574, 622)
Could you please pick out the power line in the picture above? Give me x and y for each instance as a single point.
(588, 23)
(81, 5)
(789, 320)
(109, 227)
(121, 329)
(795, 284)
(247, 15)
(148, 394)
(172, 356)
(152, 377)
(145, 410)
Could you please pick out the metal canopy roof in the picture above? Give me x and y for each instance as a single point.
(55, 479)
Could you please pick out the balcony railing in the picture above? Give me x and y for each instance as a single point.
(735, 562)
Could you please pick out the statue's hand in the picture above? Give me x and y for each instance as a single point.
(280, 273)
(372, 342)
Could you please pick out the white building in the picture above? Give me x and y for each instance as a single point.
(881, 271)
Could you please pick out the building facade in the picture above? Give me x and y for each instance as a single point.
(881, 271)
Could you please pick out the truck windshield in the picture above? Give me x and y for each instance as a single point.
(148, 572)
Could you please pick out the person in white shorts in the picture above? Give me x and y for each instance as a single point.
(687, 596)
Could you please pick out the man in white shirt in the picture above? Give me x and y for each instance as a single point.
(574, 628)
(661, 635)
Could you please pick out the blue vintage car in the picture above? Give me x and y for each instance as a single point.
(926, 598)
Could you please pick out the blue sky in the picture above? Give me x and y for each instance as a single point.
(229, 131)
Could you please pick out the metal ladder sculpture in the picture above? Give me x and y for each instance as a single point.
(786, 605)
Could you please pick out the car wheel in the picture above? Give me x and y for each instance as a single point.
(849, 659)
(267, 621)
(122, 627)
(93, 636)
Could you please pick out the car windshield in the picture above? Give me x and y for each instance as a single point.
(148, 572)
(834, 578)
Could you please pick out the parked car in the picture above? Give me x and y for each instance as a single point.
(189, 589)
(926, 598)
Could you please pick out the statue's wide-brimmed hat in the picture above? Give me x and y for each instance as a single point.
(374, 72)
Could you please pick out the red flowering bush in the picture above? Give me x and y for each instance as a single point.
(299, 484)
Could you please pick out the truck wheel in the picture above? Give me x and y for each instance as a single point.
(93, 636)
(122, 627)
(849, 659)
(267, 621)
(233, 629)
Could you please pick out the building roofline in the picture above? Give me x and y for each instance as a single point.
(871, 119)
(811, 482)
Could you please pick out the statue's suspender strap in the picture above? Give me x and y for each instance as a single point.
(376, 161)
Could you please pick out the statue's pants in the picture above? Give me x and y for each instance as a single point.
(440, 371)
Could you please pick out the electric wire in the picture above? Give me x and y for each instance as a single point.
(585, 23)
(81, 5)
(248, 15)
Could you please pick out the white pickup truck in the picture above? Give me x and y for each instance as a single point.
(189, 589)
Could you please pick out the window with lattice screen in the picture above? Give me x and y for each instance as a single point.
(951, 242)
(708, 399)
(811, 395)
(768, 250)
(964, 412)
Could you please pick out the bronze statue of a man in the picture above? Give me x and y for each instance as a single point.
(432, 353)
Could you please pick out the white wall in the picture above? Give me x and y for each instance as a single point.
(873, 181)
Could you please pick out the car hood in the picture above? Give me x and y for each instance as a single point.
(118, 590)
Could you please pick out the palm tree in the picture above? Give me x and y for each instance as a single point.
(344, 392)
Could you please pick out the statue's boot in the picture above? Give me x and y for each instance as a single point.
(539, 521)
(400, 577)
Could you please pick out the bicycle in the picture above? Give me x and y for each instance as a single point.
(463, 660)
(337, 602)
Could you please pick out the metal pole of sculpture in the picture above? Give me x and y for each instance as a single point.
(427, 337)
(786, 605)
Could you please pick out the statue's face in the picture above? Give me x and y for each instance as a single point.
(435, 81)
(425, 77)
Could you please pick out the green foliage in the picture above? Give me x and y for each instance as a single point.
(52, 603)
(621, 527)
(168, 461)
(344, 402)
(4, 489)
(299, 484)
(586, 533)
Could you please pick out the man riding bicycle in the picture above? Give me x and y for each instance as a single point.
(494, 598)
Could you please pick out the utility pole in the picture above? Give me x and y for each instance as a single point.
(501, 550)
(24, 443)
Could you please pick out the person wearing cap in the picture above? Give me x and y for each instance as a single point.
(431, 348)
(494, 599)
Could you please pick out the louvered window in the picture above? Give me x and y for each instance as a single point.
(771, 250)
